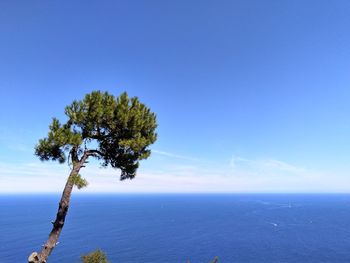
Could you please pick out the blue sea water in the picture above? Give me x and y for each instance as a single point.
(177, 228)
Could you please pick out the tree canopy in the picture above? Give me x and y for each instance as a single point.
(115, 130)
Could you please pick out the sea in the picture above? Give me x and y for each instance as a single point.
(181, 228)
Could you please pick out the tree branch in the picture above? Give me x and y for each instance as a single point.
(94, 152)
(86, 155)
(74, 154)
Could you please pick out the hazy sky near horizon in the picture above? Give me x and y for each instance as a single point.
(250, 96)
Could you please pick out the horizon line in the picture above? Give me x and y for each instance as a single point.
(179, 193)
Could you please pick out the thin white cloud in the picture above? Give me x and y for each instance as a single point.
(172, 155)
(246, 176)
(282, 166)
(264, 165)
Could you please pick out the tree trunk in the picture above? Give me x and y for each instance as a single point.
(60, 219)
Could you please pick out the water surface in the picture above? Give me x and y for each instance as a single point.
(177, 228)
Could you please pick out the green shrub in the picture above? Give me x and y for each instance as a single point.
(97, 256)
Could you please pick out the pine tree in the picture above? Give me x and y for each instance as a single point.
(115, 131)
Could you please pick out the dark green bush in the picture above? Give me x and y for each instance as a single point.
(97, 256)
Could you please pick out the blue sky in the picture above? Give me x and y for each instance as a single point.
(251, 96)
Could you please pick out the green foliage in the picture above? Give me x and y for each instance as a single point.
(120, 129)
(59, 139)
(78, 181)
(97, 256)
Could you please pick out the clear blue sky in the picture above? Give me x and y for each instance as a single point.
(250, 95)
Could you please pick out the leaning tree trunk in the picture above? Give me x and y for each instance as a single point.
(60, 217)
